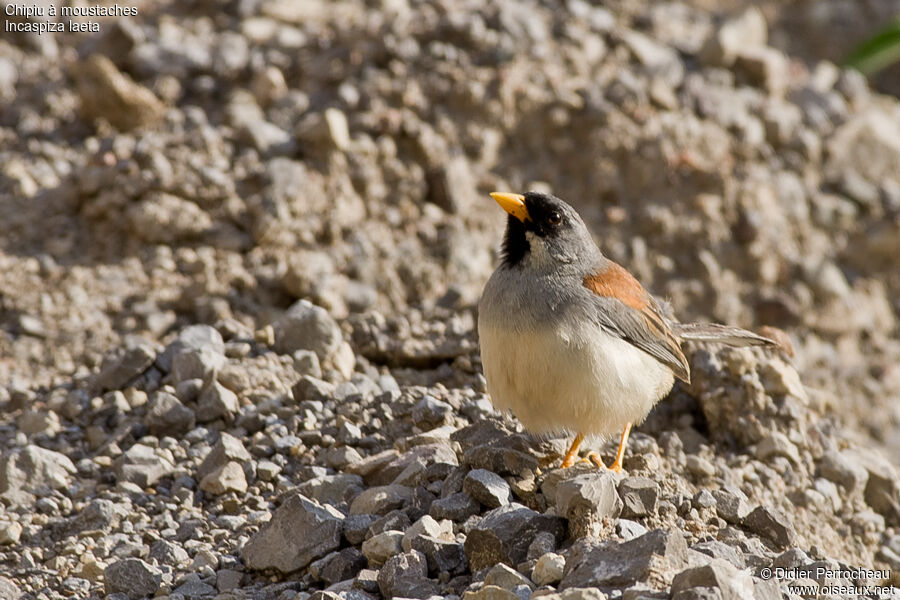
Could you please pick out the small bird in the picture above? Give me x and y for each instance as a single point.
(570, 341)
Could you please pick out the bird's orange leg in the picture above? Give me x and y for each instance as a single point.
(623, 441)
(569, 459)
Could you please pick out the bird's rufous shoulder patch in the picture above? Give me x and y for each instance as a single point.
(616, 282)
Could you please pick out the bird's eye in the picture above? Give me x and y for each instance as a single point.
(554, 218)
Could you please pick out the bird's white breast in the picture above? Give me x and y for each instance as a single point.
(555, 377)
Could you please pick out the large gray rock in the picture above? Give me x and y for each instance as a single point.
(132, 577)
(338, 566)
(194, 337)
(306, 326)
(653, 558)
(98, 515)
(30, 468)
(226, 449)
(504, 534)
(731, 504)
(732, 583)
(118, 368)
(336, 490)
(301, 530)
(405, 576)
(488, 488)
(142, 466)
(216, 402)
(772, 525)
(168, 416)
(381, 500)
(586, 500)
(639, 496)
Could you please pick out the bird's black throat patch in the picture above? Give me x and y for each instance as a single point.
(515, 245)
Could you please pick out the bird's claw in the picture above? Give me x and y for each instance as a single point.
(594, 457)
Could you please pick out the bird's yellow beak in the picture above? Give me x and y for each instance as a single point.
(514, 204)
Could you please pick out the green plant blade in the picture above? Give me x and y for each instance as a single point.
(877, 52)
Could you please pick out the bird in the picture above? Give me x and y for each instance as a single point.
(570, 341)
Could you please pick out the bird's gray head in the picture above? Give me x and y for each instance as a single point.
(544, 233)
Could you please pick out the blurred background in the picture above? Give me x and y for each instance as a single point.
(213, 160)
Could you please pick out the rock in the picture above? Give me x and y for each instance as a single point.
(486, 487)
(699, 466)
(703, 499)
(306, 326)
(192, 587)
(336, 489)
(311, 388)
(430, 412)
(301, 530)
(720, 550)
(653, 558)
(30, 468)
(325, 130)
(548, 570)
(542, 543)
(746, 30)
(587, 500)
(226, 449)
(503, 535)
(882, 491)
(168, 553)
(197, 363)
(843, 469)
(580, 594)
(380, 500)
(443, 556)
(772, 525)
(777, 444)
(216, 402)
(868, 143)
(730, 582)
(506, 578)
(166, 415)
(379, 548)
(194, 337)
(107, 93)
(426, 526)
(731, 504)
(227, 478)
(10, 532)
(629, 530)
(356, 527)
(161, 218)
(405, 576)
(118, 368)
(765, 67)
(9, 590)
(98, 515)
(34, 422)
(490, 592)
(228, 579)
(142, 466)
(338, 566)
(132, 577)
(639, 496)
(500, 459)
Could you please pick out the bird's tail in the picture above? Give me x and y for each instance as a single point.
(719, 334)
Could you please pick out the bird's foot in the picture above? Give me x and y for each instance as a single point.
(568, 462)
(594, 458)
(616, 467)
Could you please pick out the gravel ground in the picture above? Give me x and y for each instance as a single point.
(241, 250)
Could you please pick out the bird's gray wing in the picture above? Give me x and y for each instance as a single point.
(625, 309)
